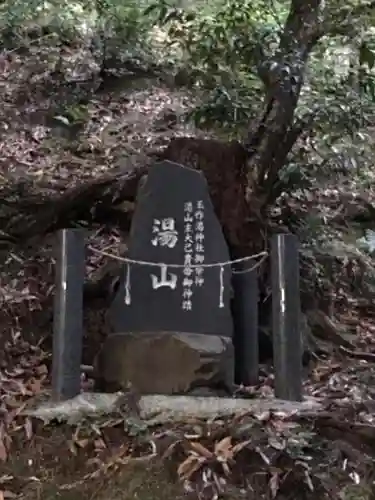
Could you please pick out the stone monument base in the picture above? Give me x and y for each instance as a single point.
(166, 363)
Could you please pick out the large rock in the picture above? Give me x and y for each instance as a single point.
(166, 362)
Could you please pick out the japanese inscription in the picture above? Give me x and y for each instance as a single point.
(164, 233)
(173, 280)
(188, 270)
(164, 280)
(199, 243)
(193, 251)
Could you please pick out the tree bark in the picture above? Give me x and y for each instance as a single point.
(283, 76)
(25, 215)
(224, 166)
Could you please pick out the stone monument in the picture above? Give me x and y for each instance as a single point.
(171, 324)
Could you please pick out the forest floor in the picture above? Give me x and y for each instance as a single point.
(325, 455)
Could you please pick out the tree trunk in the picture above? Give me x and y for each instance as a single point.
(275, 134)
(25, 214)
(224, 166)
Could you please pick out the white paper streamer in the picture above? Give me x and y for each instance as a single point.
(127, 286)
(221, 301)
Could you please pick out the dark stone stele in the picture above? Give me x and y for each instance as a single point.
(155, 344)
(168, 187)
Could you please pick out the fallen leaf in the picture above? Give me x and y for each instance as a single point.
(226, 468)
(15, 412)
(189, 466)
(201, 450)
(276, 444)
(72, 447)
(224, 449)
(274, 484)
(240, 446)
(264, 416)
(9, 494)
(224, 445)
(28, 429)
(82, 443)
(35, 386)
(4, 479)
(309, 481)
(99, 444)
(171, 448)
(263, 455)
(3, 451)
(42, 370)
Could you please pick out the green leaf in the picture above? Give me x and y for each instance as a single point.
(366, 56)
(151, 8)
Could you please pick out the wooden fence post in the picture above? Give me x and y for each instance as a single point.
(287, 337)
(68, 314)
(245, 316)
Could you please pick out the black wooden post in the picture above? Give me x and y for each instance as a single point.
(245, 317)
(287, 337)
(68, 315)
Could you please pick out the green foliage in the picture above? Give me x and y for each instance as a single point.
(124, 21)
(121, 26)
(219, 45)
(73, 115)
(24, 22)
(221, 48)
(230, 107)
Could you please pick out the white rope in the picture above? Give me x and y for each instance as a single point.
(180, 266)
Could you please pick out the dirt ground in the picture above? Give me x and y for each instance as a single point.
(47, 468)
(326, 456)
(135, 481)
(265, 456)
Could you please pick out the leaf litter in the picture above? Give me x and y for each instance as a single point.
(268, 454)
